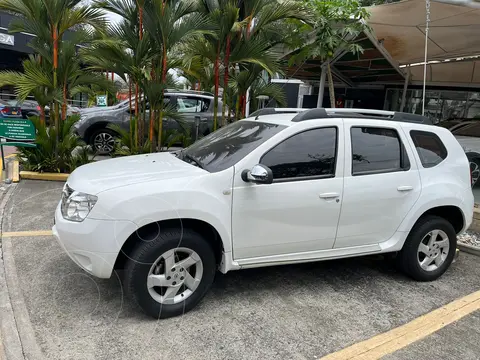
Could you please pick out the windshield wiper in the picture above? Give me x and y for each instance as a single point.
(196, 161)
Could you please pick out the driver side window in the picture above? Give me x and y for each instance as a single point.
(307, 155)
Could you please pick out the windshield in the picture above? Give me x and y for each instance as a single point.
(470, 129)
(227, 146)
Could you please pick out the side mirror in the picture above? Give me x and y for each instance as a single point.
(260, 174)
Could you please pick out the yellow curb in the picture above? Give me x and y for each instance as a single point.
(27, 233)
(32, 175)
(10, 156)
(402, 336)
(15, 171)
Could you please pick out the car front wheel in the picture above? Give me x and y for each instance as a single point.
(103, 141)
(169, 274)
(429, 249)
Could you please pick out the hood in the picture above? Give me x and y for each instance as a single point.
(108, 174)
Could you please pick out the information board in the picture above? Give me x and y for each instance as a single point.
(17, 129)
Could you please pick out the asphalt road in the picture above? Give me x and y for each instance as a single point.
(287, 312)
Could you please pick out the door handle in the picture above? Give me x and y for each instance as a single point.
(405, 188)
(329, 195)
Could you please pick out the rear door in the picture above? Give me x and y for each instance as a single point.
(382, 182)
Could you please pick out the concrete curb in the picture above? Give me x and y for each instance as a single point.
(32, 175)
(18, 335)
(10, 340)
(469, 249)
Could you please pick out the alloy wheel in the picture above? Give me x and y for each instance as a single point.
(433, 250)
(104, 142)
(475, 171)
(174, 276)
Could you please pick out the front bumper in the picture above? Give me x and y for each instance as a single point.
(92, 244)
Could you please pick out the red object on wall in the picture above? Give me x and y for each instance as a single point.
(339, 103)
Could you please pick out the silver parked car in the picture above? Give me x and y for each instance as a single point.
(195, 107)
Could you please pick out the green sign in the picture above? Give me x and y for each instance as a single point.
(17, 129)
(101, 100)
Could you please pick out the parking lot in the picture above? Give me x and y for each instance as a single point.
(288, 312)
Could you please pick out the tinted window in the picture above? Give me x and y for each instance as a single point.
(376, 150)
(225, 147)
(309, 153)
(429, 147)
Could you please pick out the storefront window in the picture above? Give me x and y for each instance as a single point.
(441, 105)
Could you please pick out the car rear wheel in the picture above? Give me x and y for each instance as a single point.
(103, 141)
(170, 273)
(474, 170)
(429, 249)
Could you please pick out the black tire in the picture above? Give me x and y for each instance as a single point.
(407, 259)
(145, 255)
(107, 133)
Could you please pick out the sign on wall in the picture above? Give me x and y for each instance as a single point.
(7, 39)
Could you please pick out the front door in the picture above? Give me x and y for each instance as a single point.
(382, 183)
(299, 211)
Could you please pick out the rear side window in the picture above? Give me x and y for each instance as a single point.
(429, 147)
(377, 150)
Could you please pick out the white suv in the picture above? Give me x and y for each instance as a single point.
(276, 189)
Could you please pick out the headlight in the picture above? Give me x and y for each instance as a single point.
(76, 205)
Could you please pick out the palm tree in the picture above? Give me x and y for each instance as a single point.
(49, 21)
(122, 52)
(169, 24)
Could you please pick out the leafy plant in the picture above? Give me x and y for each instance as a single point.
(126, 144)
(338, 23)
(63, 156)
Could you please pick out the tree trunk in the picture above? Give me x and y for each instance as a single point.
(55, 80)
(217, 84)
(64, 102)
(237, 106)
(42, 114)
(130, 109)
(140, 22)
(330, 86)
(136, 99)
(142, 124)
(151, 128)
(225, 78)
(164, 78)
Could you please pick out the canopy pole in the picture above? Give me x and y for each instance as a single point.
(427, 8)
(321, 87)
(405, 88)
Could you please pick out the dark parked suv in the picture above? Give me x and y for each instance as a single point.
(93, 124)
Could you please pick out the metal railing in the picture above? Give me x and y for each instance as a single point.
(71, 102)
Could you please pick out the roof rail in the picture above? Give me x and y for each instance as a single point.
(322, 113)
(190, 92)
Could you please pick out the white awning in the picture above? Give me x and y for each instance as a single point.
(459, 73)
(454, 30)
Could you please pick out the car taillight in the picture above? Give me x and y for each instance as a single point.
(6, 110)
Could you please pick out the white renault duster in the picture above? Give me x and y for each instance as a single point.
(276, 189)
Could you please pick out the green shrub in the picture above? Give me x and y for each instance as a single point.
(63, 156)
